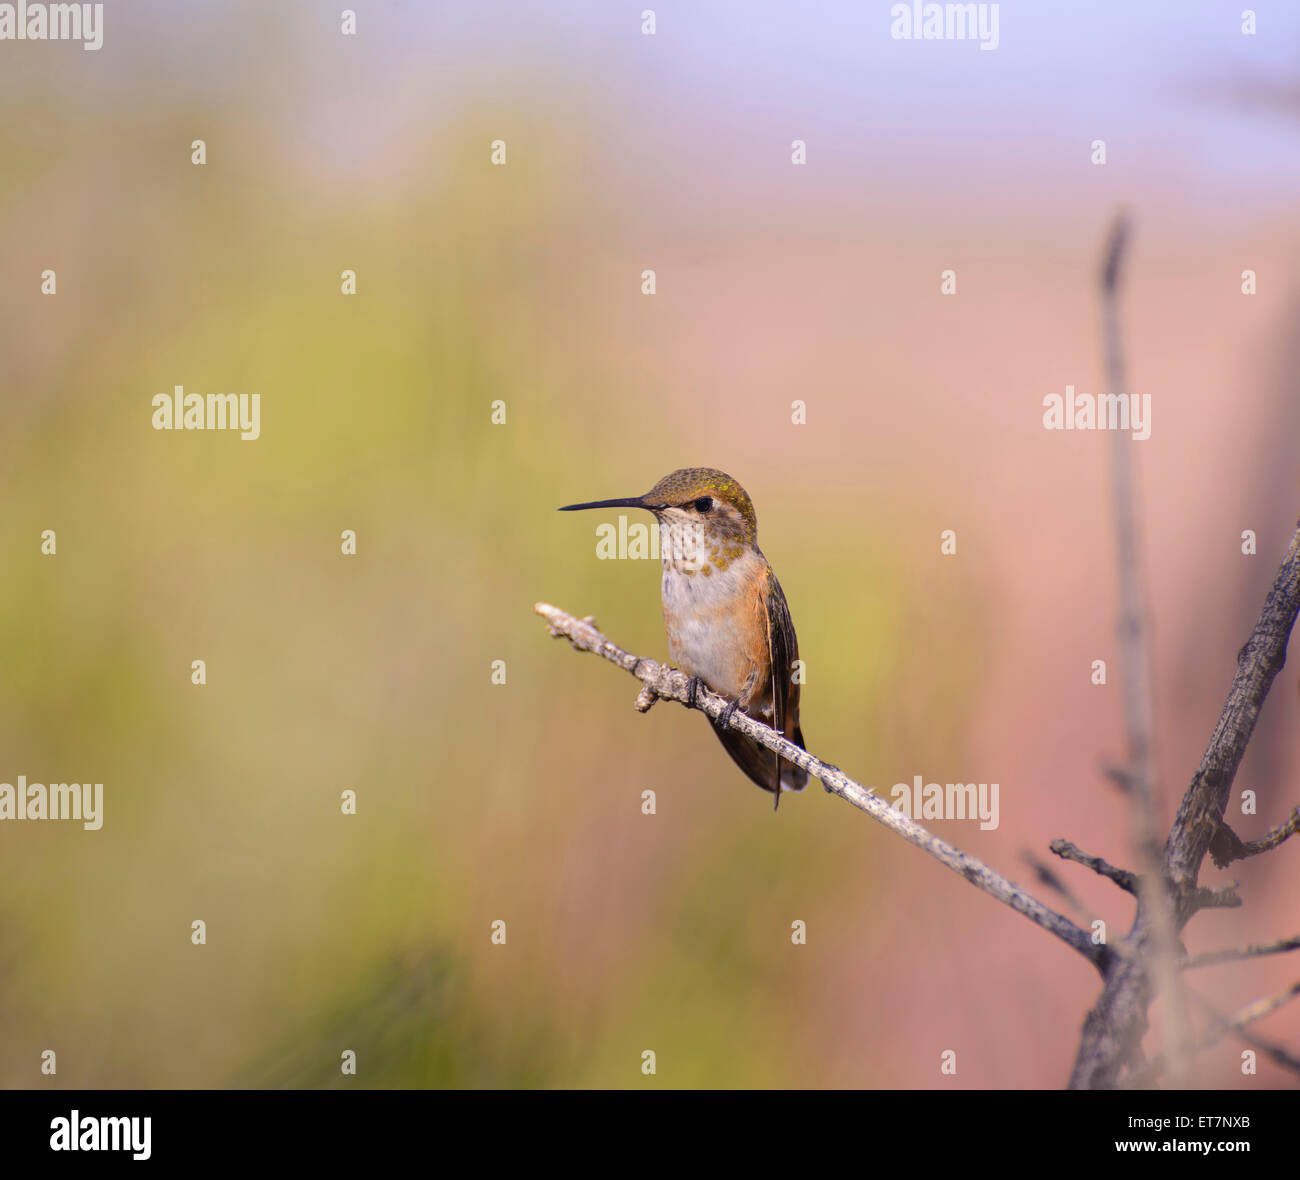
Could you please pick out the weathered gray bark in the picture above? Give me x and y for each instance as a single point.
(1115, 1027)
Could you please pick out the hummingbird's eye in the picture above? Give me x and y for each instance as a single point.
(703, 504)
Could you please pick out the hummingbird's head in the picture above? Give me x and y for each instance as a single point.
(697, 498)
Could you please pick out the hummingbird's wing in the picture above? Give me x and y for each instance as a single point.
(761, 765)
(783, 648)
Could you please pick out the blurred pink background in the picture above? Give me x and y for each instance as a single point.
(775, 282)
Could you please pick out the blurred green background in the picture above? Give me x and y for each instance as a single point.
(521, 802)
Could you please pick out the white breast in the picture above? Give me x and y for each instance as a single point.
(707, 616)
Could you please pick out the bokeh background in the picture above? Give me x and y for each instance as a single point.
(521, 802)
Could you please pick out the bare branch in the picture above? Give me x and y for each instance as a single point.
(1119, 777)
(1226, 846)
(1251, 1012)
(1135, 671)
(1047, 877)
(1213, 897)
(1236, 1024)
(1234, 954)
(1201, 812)
(1116, 1024)
(670, 684)
(1122, 877)
(1277, 1053)
(1169, 895)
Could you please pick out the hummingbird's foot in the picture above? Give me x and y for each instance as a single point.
(693, 686)
(724, 718)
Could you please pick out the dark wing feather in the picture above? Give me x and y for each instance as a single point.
(784, 649)
(761, 765)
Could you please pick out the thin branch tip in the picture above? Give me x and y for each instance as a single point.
(1122, 877)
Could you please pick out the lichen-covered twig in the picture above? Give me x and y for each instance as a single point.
(1226, 846)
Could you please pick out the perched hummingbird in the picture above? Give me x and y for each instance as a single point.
(727, 620)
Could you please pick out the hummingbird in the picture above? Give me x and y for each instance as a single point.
(728, 624)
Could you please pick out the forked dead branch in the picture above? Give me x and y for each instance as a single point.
(1167, 884)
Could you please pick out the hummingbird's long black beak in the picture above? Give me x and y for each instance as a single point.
(626, 502)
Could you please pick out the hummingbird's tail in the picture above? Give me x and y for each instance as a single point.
(792, 777)
(761, 765)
